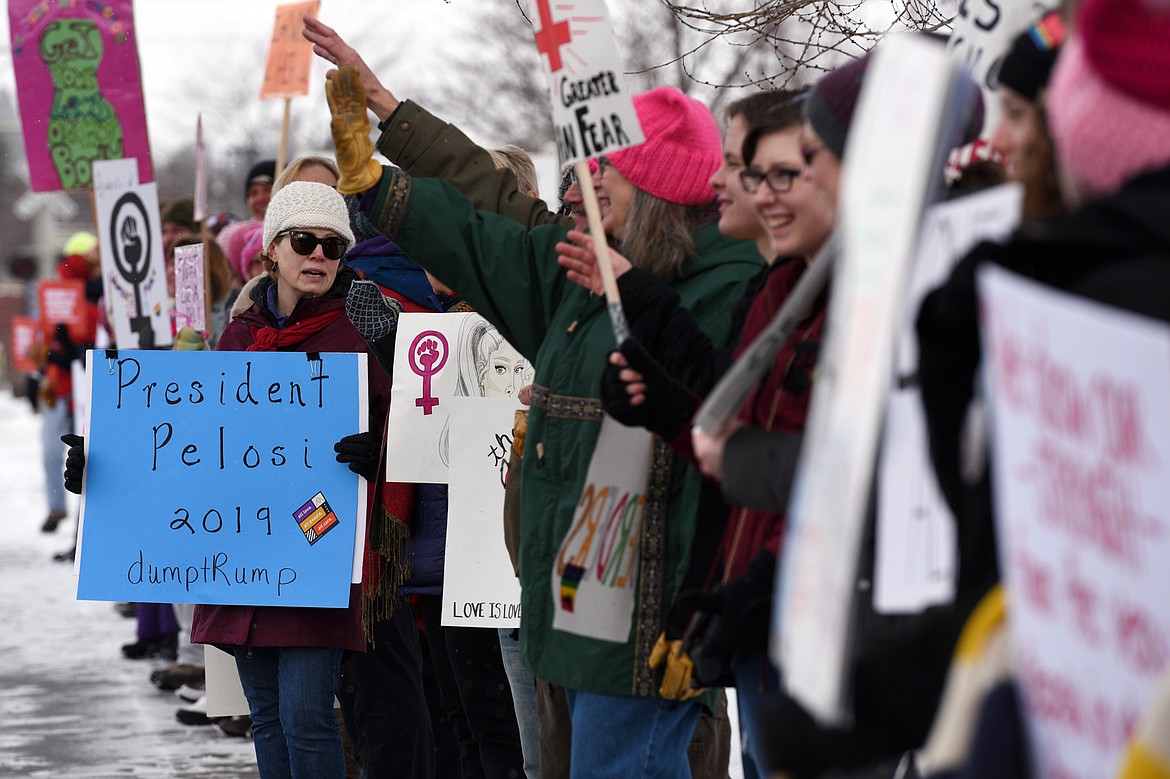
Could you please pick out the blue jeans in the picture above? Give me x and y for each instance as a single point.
(56, 423)
(290, 694)
(622, 737)
(755, 679)
(523, 685)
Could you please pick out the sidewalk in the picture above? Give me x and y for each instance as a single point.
(70, 705)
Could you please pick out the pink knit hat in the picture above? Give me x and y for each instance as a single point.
(682, 149)
(243, 245)
(1109, 100)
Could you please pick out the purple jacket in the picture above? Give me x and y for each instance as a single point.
(281, 625)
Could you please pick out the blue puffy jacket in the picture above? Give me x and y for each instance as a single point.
(428, 539)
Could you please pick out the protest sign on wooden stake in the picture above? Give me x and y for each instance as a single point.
(79, 86)
(592, 112)
(290, 60)
(134, 273)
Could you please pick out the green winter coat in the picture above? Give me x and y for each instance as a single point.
(509, 274)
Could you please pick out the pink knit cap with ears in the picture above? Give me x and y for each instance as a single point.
(682, 149)
(1109, 99)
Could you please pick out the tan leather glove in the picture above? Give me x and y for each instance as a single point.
(676, 677)
(351, 132)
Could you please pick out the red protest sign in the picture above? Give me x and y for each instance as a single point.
(290, 56)
(24, 335)
(63, 302)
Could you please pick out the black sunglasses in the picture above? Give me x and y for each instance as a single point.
(304, 243)
(779, 179)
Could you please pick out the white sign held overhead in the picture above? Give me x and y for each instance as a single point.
(134, 274)
(1080, 408)
(591, 107)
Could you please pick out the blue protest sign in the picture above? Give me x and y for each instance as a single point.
(210, 478)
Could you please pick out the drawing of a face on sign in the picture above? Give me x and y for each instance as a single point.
(131, 237)
(489, 366)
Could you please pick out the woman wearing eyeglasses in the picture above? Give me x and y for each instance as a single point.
(289, 658)
(656, 382)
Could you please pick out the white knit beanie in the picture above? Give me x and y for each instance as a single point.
(306, 204)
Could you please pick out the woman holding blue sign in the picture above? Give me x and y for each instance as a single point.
(289, 658)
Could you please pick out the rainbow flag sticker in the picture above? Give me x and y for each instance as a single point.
(316, 518)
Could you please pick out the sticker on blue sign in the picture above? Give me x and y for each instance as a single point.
(315, 518)
(196, 461)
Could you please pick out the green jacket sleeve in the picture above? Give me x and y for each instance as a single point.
(507, 273)
(424, 145)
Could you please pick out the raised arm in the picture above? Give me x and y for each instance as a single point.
(425, 146)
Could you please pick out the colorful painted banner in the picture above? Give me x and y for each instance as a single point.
(199, 466)
(189, 289)
(80, 89)
(62, 302)
(1080, 409)
(25, 331)
(595, 575)
(591, 107)
(480, 588)
(290, 56)
(440, 357)
(133, 269)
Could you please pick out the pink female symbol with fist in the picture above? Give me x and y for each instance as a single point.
(428, 355)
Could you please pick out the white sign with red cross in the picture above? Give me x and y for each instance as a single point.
(591, 107)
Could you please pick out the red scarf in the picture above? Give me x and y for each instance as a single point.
(269, 339)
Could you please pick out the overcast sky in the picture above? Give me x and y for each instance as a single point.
(181, 42)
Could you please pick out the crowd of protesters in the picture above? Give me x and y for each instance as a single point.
(710, 232)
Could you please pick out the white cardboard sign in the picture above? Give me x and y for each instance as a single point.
(591, 107)
(438, 357)
(889, 171)
(1080, 407)
(189, 290)
(915, 530)
(595, 574)
(133, 269)
(479, 587)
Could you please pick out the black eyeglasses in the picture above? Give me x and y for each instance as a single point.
(779, 179)
(304, 243)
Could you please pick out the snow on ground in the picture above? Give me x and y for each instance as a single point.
(70, 705)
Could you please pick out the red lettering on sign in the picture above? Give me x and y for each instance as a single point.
(1139, 641)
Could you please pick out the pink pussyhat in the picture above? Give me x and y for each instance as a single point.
(682, 149)
(1109, 100)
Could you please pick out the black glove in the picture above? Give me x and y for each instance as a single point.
(74, 462)
(669, 405)
(361, 451)
(746, 610)
(63, 351)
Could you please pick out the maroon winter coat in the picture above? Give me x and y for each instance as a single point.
(281, 625)
(779, 403)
